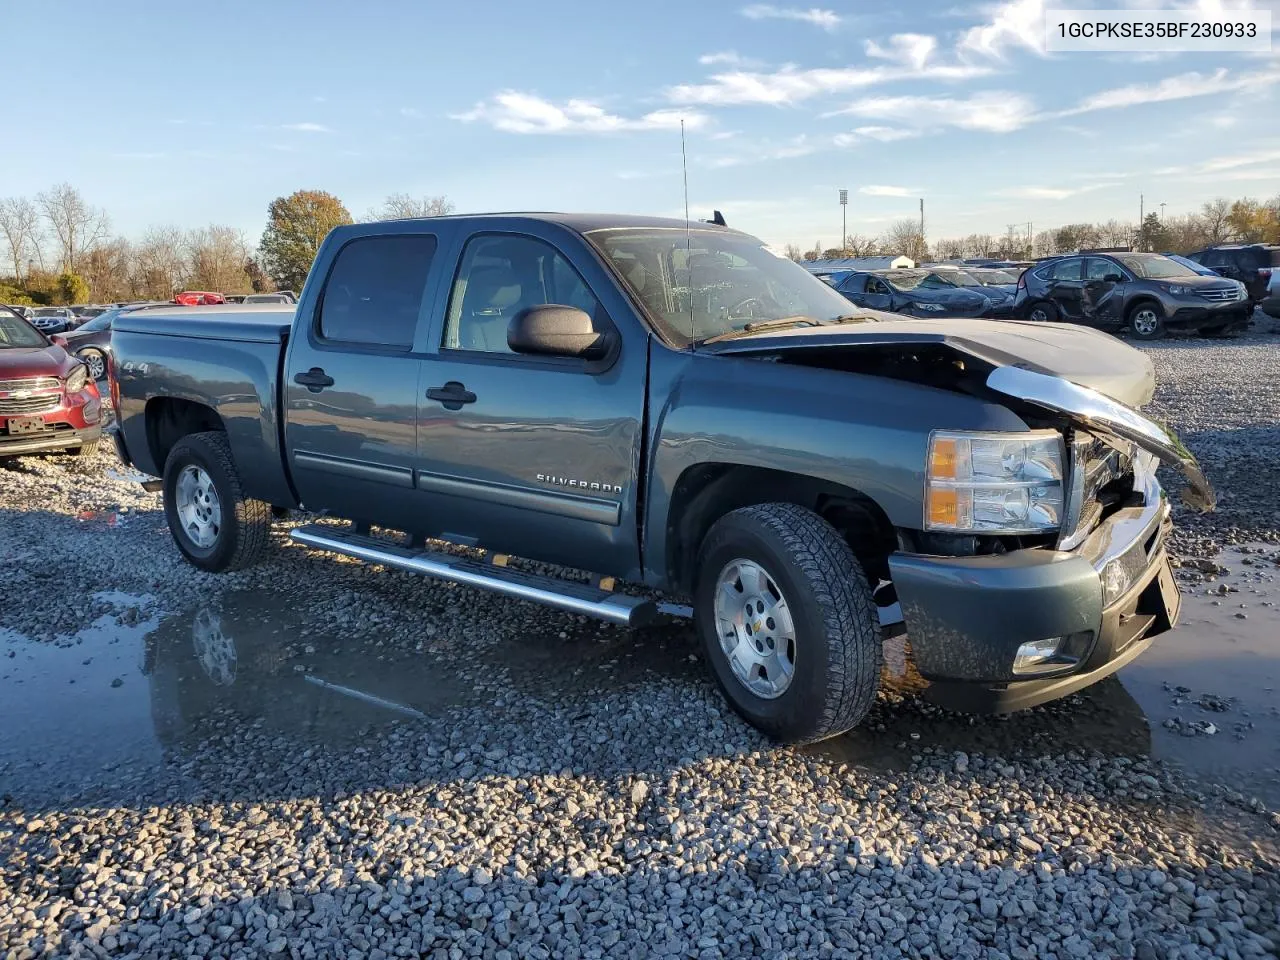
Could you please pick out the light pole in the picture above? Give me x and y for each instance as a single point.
(844, 217)
(1162, 212)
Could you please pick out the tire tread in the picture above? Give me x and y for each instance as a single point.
(253, 517)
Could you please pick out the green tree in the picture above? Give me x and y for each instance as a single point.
(1153, 236)
(296, 225)
(72, 288)
(12, 296)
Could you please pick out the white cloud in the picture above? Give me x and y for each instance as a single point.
(1019, 23)
(912, 49)
(992, 111)
(881, 190)
(1051, 193)
(826, 19)
(728, 58)
(798, 146)
(880, 134)
(791, 85)
(413, 113)
(1180, 87)
(306, 127)
(516, 112)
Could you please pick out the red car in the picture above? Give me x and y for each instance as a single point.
(48, 401)
(198, 298)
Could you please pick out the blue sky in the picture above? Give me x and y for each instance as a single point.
(202, 113)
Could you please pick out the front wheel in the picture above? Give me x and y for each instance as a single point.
(213, 523)
(787, 622)
(1146, 322)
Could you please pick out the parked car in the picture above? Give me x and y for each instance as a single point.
(672, 404)
(52, 319)
(198, 298)
(280, 297)
(1193, 265)
(91, 342)
(995, 285)
(917, 293)
(1146, 294)
(1253, 264)
(48, 401)
(23, 311)
(1271, 302)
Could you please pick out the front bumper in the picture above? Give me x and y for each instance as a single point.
(74, 420)
(1199, 315)
(966, 617)
(68, 438)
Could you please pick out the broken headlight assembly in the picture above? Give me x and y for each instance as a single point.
(996, 483)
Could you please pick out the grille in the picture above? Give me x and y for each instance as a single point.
(1219, 296)
(40, 404)
(30, 383)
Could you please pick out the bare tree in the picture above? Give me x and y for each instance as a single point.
(903, 238)
(401, 206)
(792, 251)
(159, 263)
(106, 269)
(860, 246)
(75, 224)
(1115, 233)
(948, 249)
(1216, 214)
(216, 258)
(979, 245)
(20, 225)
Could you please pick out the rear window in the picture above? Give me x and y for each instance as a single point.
(374, 292)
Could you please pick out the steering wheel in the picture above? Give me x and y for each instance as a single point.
(733, 311)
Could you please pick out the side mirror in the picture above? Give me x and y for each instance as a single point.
(1113, 278)
(552, 329)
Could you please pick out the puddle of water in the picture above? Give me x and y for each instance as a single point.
(1221, 667)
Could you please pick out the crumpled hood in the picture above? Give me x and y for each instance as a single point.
(1087, 357)
(17, 363)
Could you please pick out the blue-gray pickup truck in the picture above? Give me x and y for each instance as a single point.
(674, 406)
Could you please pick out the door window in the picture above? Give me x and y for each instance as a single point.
(1067, 269)
(375, 290)
(876, 285)
(1100, 269)
(501, 275)
(854, 283)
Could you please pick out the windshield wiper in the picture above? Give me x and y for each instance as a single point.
(757, 325)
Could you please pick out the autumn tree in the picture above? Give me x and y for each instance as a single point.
(1253, 222)
(1214, 216)
(159, 263)
(71, 288)
(76, 226)
(106, 270)
(20, 227)
(296, 225)
(258, 278)
(903, 238)
(216, 257)
(401, 206)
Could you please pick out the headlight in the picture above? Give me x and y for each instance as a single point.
(1178, 289)
(79, 379)
(928, 307)
(994, 482)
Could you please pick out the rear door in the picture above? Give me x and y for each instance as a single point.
(1066, 287)
(352, 377)
(879, 295)
(535, 456)
(1102, 293)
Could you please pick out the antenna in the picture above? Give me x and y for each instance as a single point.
(688, 230)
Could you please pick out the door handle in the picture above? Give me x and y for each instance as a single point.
(453, 395)
(314, 379)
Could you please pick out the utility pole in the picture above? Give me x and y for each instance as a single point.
(844, 218)
(1162, 211)
(1142, 216)
(922, 219)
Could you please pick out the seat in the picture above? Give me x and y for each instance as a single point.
(491, 299)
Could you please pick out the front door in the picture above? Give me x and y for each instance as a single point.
(352, 379)
(1066, 287)
(879, 296)
(534, 456)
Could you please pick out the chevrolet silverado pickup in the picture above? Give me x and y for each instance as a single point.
(673, 406)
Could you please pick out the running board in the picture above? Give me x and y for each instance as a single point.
(566, 595)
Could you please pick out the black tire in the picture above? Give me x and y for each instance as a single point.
(86, 450)
(838, 649)
(245, 529)
(1042, 311)
(91, 354)
(1138, 321)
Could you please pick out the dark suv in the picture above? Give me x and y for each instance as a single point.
(1145, 293)
(1250, 263)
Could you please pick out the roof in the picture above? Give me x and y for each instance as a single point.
(854, 263)
(580, 222)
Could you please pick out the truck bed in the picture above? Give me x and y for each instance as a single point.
(254, 323)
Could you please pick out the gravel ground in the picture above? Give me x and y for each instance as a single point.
(559, 799)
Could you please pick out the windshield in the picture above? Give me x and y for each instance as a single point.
(909, 279)
(50, 312)
(951, 278)
(989, 276)
(101, 322)
(709, 283)
(1153, 266)
(16, 332)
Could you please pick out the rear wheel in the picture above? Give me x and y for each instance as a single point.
(213, 523)
(86, 450)
(1042, 311)
(1146, 321)
(787, 622)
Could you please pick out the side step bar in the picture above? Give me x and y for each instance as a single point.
(575, 597)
